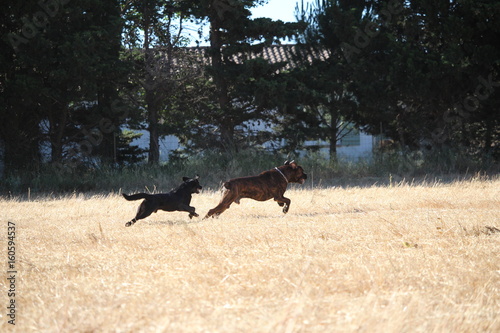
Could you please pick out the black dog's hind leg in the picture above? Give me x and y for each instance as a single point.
(131, 222)
(145, 209)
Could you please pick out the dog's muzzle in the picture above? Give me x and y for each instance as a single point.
(303, 179)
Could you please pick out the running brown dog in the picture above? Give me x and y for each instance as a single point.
(269, 184)
(178, 199)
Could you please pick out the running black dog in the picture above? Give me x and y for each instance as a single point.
(178, 199)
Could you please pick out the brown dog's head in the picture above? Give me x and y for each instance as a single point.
(296, 173)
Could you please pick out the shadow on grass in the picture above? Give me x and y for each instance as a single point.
(174, 222)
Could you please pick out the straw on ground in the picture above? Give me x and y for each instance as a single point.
(407, 258)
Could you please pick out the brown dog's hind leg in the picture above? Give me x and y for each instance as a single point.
(227, 199)
(216, 211)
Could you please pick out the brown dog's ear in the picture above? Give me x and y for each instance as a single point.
(185, 179)
(291, 163)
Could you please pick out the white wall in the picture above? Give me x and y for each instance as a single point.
(364, 150)
(352, 152)
(167, 144)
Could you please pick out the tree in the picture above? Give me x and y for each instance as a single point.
(19, 111)
(327, 101)
(156, 28)
(413, 69)
(421, 68)
(242, 85)
(61, 56)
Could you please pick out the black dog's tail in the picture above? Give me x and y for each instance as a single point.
(136, 196)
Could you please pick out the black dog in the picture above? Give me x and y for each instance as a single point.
(178, 199)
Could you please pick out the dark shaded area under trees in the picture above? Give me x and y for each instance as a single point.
(73, 73)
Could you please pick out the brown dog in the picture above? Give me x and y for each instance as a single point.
(269, 184)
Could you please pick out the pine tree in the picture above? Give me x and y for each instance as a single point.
(242, 86)
(154, 35)
(327, 101)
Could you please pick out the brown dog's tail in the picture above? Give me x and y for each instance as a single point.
(136, 196)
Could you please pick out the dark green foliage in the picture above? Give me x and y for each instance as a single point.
(128, 154)
(216, 167)
(152, 38)
(241, 90)
(424, 73)
(325, 101)
(419, 76)
(57, 57)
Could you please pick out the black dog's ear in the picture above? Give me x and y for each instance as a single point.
(185, 179)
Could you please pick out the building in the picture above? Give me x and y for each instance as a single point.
(353, 146)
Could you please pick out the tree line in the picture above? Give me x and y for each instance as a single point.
(75, 74)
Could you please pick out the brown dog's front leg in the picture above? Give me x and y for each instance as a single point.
(287, 206)
(285, 202)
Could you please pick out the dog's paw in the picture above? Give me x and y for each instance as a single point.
(128, 224)
(193, 214)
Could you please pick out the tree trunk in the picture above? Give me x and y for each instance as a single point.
(226, 125)
(488, 138)
(333, 141)
(150, 88)
(21, 143)
(154, 142)
(333, 135)
(57, 127)
(105, 145)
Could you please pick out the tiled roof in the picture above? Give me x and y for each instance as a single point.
(291, 54)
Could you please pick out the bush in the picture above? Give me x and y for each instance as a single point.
(214, 167)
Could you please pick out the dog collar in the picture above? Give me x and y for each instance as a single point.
(282, 174)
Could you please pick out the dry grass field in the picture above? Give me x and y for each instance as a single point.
(402, 258)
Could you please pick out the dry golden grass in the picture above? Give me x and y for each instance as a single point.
(379, 259)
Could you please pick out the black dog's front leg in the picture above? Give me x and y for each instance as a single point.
(191, 210)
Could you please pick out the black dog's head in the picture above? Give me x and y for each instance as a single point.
(192, 184)
(296, 173)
